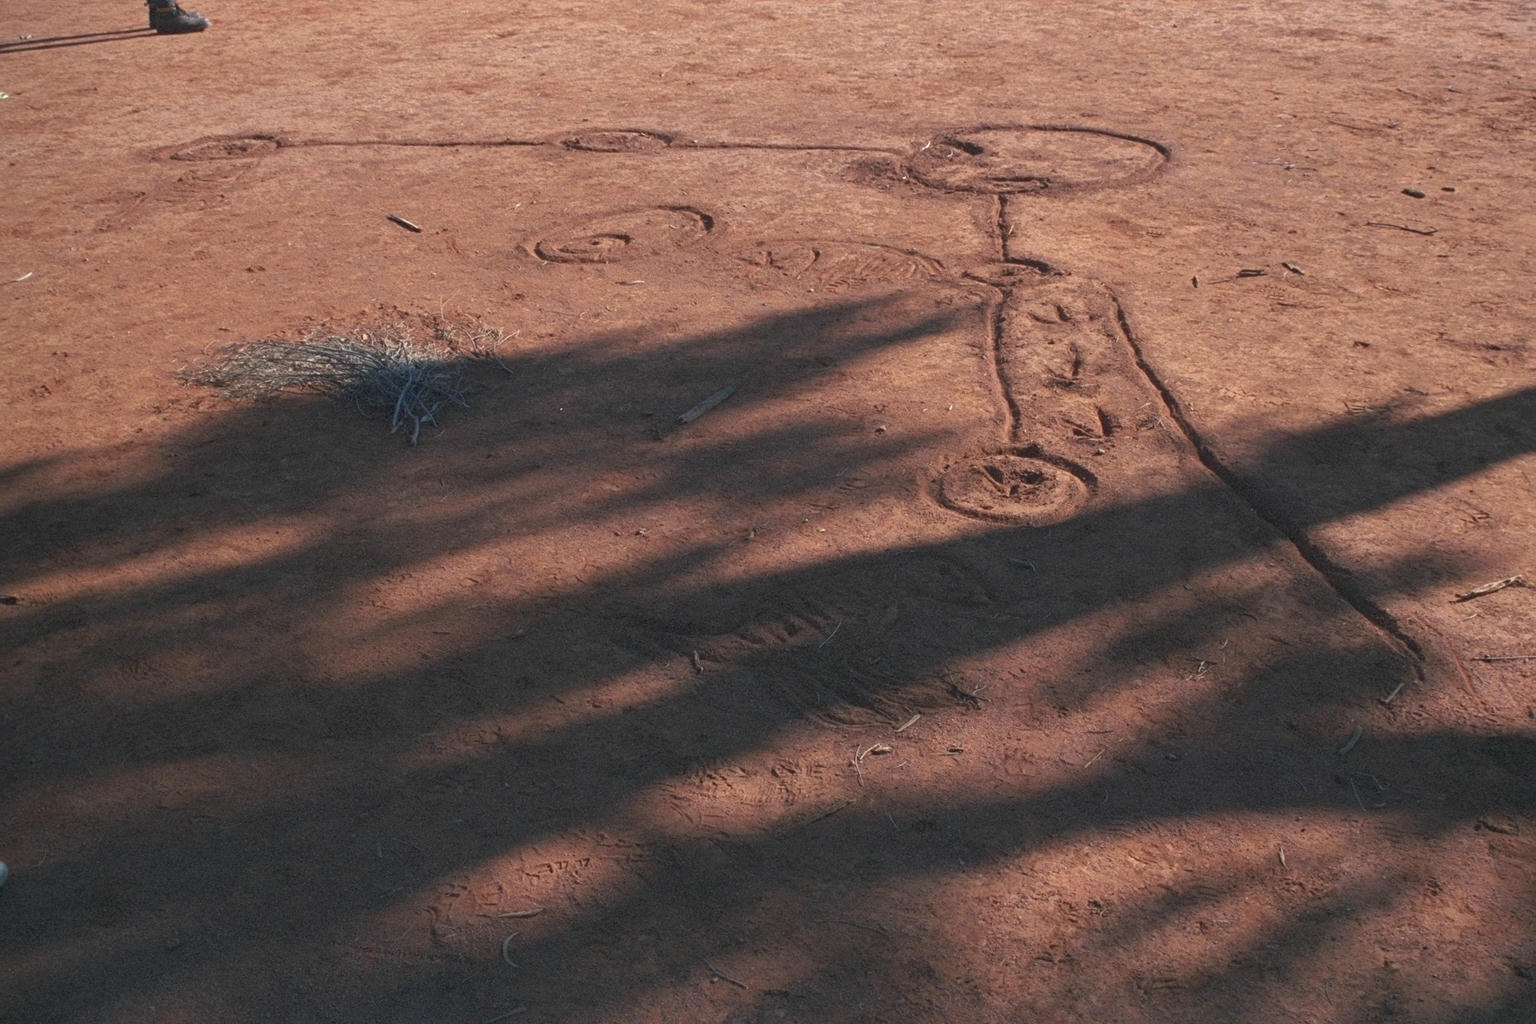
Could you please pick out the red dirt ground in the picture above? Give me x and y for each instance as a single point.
(1059, 621)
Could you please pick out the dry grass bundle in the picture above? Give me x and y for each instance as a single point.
(379, 370)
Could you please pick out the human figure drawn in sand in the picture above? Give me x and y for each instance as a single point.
(1078, 408)
(1055, 414)
(1065, 364)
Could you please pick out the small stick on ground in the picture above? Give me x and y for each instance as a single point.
(822, 815)
(1282, 856)
(1354, 738)
(1395, 691)
(1095, 757)
(717, 972)
(506, 946)
(860, 755)
(1487, 658)
(830, 635)
(909, 723)
(403, 222)
(1401, 227)
(532, 912)
(706, 405)
(1491, 588)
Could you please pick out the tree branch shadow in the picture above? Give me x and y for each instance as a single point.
(226, 762)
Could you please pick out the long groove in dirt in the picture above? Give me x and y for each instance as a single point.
(1000, 226)
(997, 309)
(1336, 576)
(788, 147)
(415, 143)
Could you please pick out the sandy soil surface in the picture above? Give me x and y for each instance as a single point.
(1074, 606)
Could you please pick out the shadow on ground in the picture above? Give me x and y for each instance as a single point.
(270, 699)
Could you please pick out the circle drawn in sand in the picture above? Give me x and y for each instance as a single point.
(1024, 486)
(616, 140)
(1034, 158)
(222, 147)
(629, 235)
(833, 266)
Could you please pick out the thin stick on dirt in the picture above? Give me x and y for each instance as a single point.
(706, 405)
(1401, 227)
(403, 222)
(860, 754)
(1395, 691)
(506, 954)
(1490, 658)
(532, 912)
(909, 723)
(830, 635)
(1349, 744)
(717, 972)
(1095, 757)
(821, 815)
(1491, 588)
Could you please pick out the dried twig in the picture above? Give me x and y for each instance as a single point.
(1401, 227)
(1491, 588)
(860, 754)
(821, 815)
(404, 223)
(717, 972)
(531, 912)
(1354, 738)
(706, 405)
(830, 635)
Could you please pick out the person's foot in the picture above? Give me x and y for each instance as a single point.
(167, 18)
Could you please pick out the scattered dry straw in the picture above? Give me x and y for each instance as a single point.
(408, 376)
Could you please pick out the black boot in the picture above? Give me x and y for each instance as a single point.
(167, 18)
